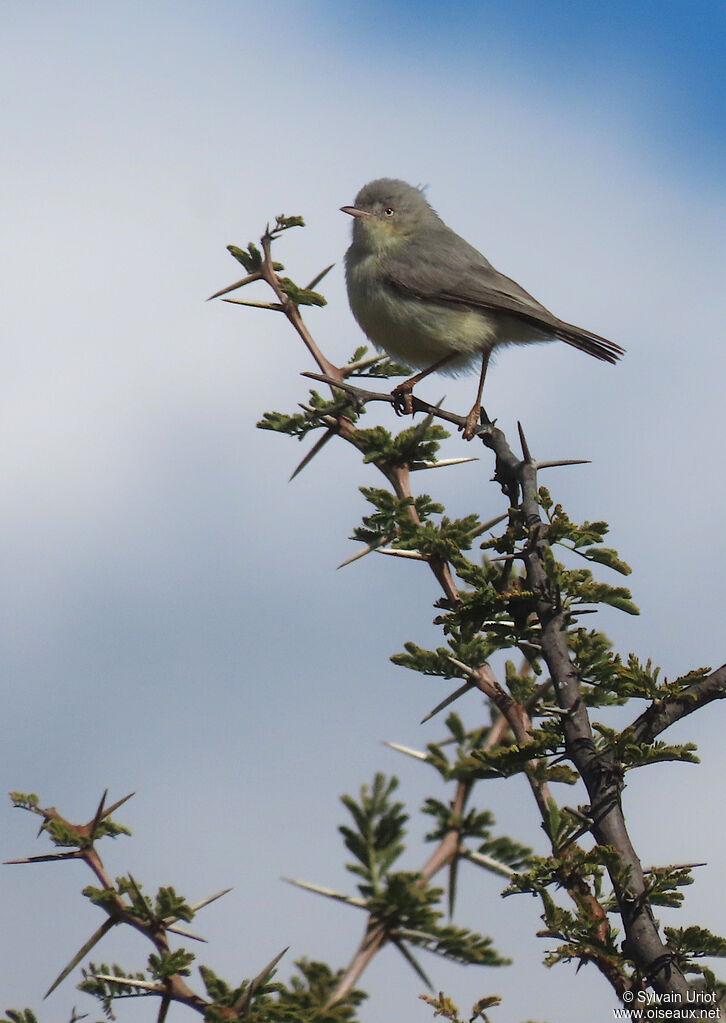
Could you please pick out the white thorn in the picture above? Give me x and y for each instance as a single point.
(443, 462)
(397, 553)
(415, 753)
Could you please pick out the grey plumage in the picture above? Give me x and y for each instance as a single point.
(420, 291)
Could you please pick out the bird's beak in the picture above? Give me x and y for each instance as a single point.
(353, 211)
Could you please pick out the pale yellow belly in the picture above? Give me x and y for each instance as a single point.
(417, 333)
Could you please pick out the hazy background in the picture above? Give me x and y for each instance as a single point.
(172, 622)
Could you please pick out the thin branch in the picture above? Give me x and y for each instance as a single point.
(662, 714)
(366, 397)
(164, 1007)
(374, 938)
(293, 313)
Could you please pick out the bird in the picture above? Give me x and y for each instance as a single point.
(426, 297)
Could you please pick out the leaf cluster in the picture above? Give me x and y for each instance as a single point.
(692, 944)
(462, 766)
(585, 540)
(444, 1007)
(106, 991)
(381, 369)
(165, 908)
(402, 902)
(65, 834)
(413, 447)
(304, 999)
(663, 884)
(377, 839)
(300, 424)
(630, 754)
(391, 514)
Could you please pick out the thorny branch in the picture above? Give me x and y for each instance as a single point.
(172, 988)
(664, 713)
(602, 776)
(600, 772)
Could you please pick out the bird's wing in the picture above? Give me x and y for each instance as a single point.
(447, 269)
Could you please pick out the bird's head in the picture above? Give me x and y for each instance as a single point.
(388, 212)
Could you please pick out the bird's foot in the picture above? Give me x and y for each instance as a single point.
(403, 398)
(472, 423)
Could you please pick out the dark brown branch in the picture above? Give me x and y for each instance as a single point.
(364, 397)
(599, 771)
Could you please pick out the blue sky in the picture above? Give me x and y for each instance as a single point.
(172, 619)
(657, 65)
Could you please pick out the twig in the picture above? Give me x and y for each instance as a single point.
(665, 712)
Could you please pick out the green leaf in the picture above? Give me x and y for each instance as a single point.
(377, 839)
(178, 962)
(283, 223)
(19, 1016)
(301, 296)
(607, 556)
(251, 259)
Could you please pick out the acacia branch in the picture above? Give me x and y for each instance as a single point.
(291, 309)
(118, 911)
(507, 474)
(664, 713)
(599, 771)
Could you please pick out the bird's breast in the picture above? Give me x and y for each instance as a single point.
(413, 330)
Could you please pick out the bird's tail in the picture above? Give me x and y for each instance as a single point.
(593, 344)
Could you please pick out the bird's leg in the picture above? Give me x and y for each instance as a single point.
(472, 420)
(403, 403)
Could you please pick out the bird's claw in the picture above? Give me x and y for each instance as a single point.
(403, 399)
(472, 423)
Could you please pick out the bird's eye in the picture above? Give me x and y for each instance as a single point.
(389, 211)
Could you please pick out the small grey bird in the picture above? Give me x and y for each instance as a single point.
(430, 300)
